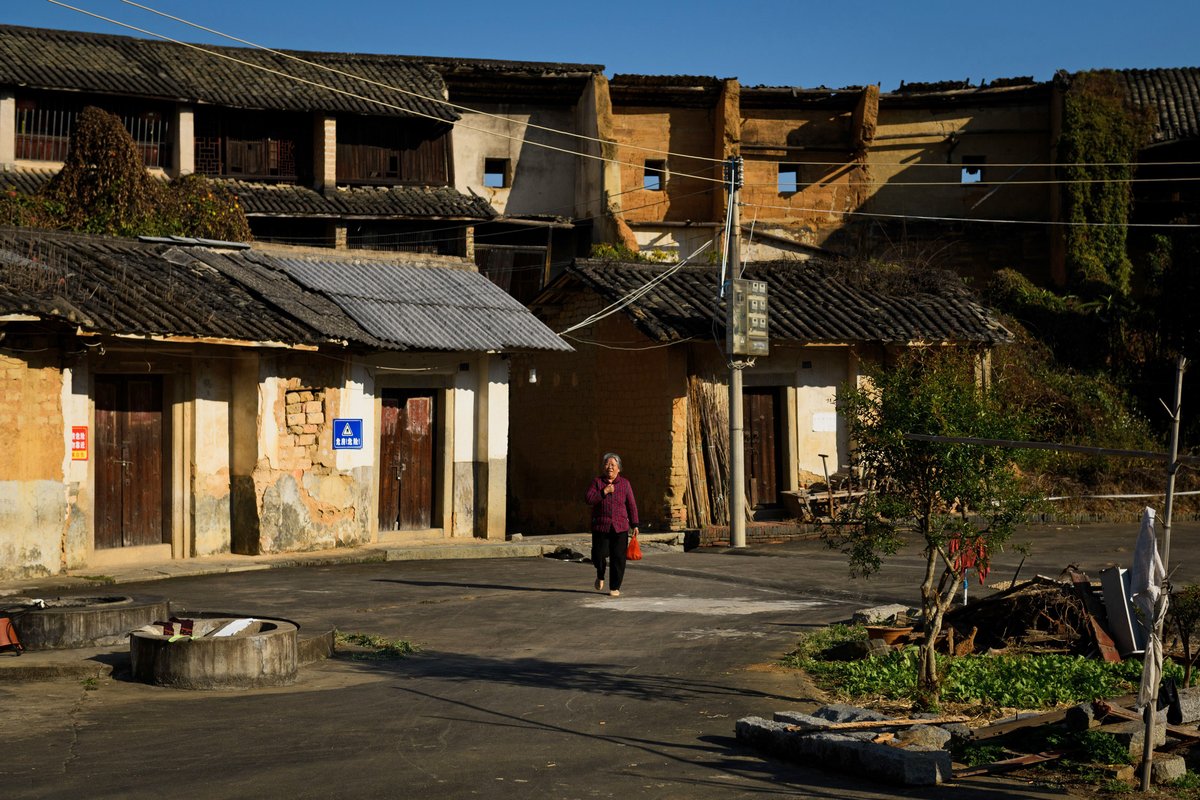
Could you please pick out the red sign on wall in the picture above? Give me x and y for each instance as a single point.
(79, 444)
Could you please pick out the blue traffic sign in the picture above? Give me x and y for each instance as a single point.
(347, 434)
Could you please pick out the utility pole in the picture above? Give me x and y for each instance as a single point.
(737, 442)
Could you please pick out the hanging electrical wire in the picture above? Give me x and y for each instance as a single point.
(431, 99)
(636, 294)
(364, 98)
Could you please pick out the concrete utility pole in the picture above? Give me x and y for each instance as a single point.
(737, 442)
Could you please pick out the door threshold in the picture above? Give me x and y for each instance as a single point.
(126, 556)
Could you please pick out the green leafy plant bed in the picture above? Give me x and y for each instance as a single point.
(1026, 681)
(1087, 763)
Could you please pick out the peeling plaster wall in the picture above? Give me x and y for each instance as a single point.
(34, 519)
(305, 501)
(211, 495)
(540, 180)
(76, 405)
(464, 497)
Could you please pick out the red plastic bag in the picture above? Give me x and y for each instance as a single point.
(634, 551)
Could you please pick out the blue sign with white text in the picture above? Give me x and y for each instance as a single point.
(347, 434)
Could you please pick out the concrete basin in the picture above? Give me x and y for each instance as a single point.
(66, 623)
(221, 653)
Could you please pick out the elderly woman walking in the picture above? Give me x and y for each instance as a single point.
(614, 515)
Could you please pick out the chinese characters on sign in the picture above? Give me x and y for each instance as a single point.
(347, 434)
(79, 445)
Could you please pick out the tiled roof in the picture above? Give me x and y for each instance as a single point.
(362, 201)
(426, 308)
(290, 200)
(1172, 94)
(121, 286)
(26, 181)
(91, 62)
(808, 305)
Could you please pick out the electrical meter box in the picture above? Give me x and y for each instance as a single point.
(748, 334)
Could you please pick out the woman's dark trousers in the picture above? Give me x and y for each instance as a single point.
(610, 547)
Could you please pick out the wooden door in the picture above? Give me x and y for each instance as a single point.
(407, 460)
(129, 469)
(760, 420)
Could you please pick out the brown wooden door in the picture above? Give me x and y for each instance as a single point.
(130, 505)
(407, 461)
(760, 420)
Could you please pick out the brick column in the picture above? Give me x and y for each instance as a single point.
(325, 153)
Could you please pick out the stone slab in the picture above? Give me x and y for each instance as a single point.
(845, 753)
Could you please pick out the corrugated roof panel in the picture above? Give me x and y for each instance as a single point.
(426, 307)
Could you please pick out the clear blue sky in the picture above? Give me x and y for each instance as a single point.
(777, 43)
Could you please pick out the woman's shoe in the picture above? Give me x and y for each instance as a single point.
(599, 584)
(615, 593)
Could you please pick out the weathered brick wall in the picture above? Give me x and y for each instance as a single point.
(760, 533)
(803, 215)
(304, 501)
(686, 131)
(632, 402)
(31, 414)
(33, 503)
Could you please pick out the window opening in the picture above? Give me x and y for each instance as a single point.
(789, 178)
(972, 169)
(495, 173)
(655, 176)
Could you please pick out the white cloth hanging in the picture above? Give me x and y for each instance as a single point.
(1146, 580)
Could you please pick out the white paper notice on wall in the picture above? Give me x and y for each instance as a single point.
(825, 421)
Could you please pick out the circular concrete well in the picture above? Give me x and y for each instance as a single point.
(69, 622)
(221, 653)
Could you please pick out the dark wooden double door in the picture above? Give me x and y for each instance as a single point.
(408, 460)
(130, 473)
(761, 433)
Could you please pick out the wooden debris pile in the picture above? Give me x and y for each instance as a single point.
(1039, 615)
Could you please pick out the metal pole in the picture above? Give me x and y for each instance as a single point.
(737, 442)
(1172, 468)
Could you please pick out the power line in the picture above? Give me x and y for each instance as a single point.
(932, 218)
(558, 131)
(364, 98)
(409, 92)
(615, 161)
(636, 293)
(991, 184)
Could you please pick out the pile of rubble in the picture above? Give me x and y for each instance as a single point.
(917, 751)
(1068, 615)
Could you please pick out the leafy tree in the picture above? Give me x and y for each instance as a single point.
(104, 188)
(960, 502)
(1096, 154)
(1183, 614)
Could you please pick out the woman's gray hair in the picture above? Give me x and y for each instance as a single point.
(604, 459)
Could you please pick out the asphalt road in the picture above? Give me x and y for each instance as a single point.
(527, 683)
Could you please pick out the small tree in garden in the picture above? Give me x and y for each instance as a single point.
(1183, 615)
(960, 502)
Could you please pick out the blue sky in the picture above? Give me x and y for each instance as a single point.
(796, 43)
